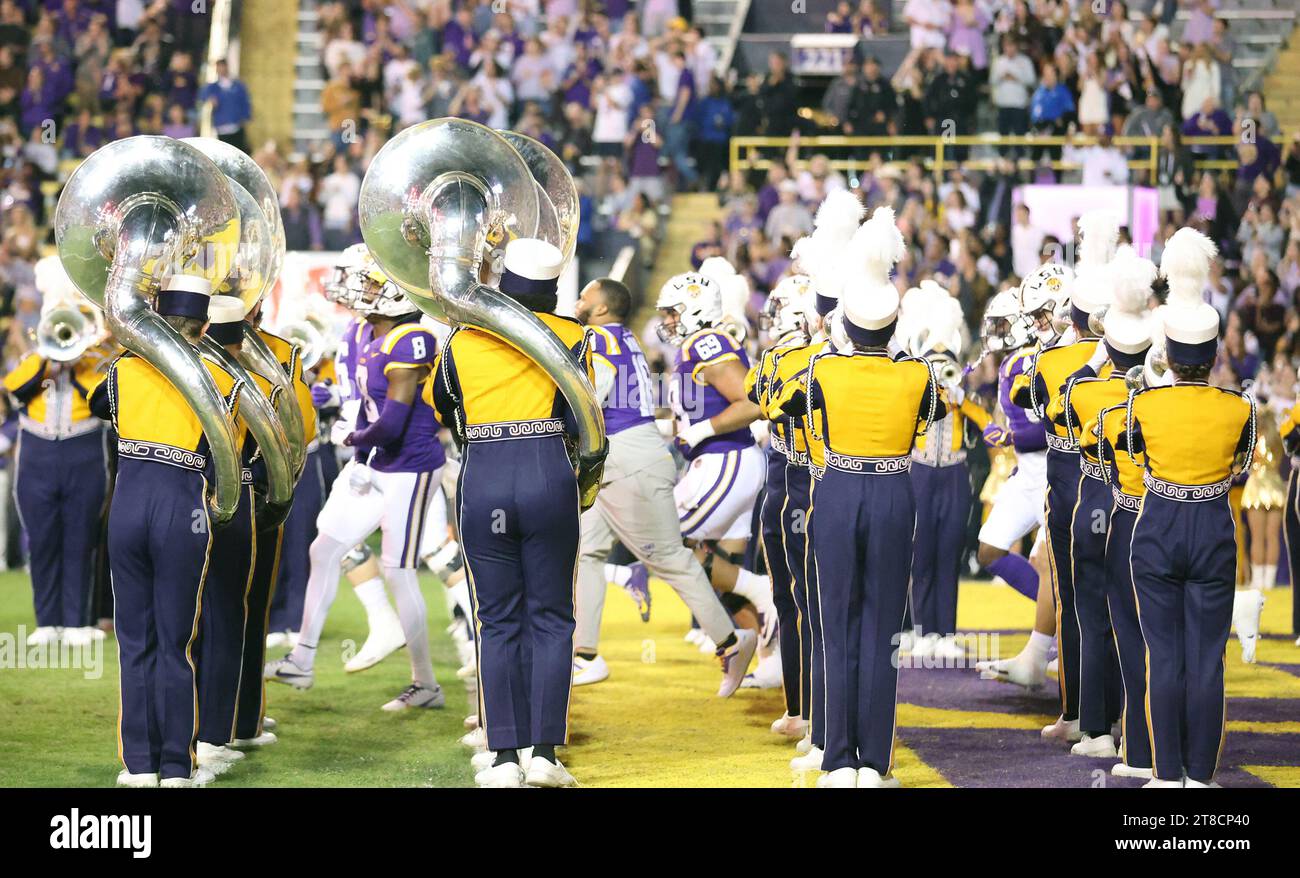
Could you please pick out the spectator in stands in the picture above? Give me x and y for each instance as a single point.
(341, 102)
(302, 225)
(178, 124)
(679, 121)
(1265, 123)
(1175, 171)
(714, 120)
(928, 22)
(1094, 101)
(1208, 121)
(644, 145)
(1222, 47)
(1201, 81)
(343, 48)
(1256, 160)
(841, 92)
(92, 48)
(1052, 105)
(789, 218)
(950, 101)
(1026, 243)
(533, 76)
(655, 16)
(1102, 163)
(82, 136)
(1011, 81)
(231, 107)
(777, 98)
(966, 30)
(840, 19)
(1260, 233)
(338, 200)
(1150, 119)
(39, 103)
(1200, 21)
(874, 104)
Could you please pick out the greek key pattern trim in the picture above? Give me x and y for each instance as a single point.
(498, 431)
(1060, 443)
(778, 444)
(1126, 502)
(878, 466)
(1092, 470)
(158, 453)
(1186, 493)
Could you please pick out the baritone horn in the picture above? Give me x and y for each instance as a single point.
(434, 198)
(254, 354)
(135, 211)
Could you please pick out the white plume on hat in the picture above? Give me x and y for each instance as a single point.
(821, 254)
(1098, 237)
(870, 299)
(929, 317)
(52, 281)
(1128, 323)
(1185, 263)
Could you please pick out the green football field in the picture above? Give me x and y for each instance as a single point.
(59, 725)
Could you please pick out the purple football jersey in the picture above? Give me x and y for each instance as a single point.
(355, 338)
(694, 401)
(631, 401)
(1027, 431)
(408, 345)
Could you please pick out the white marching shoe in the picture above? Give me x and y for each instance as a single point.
(839, 779)
(949, 652)
(869, 778)
(475, 740)
(508, 775)
(805, 743)
(793, 727)
(200, 778)
(1098, 747)
(268, 724)
(277, 640)
(542, 772)
(1189, 784)
(1157, 784)
(1123, 769)
(384, 639)
(81, 637)
(810, 761)
(137, 781)
(1063, 730)
(216, 759)
(484, 759)
(923, 647)
(44, 635)
(1247, 606)
(589, 670)
(265, 739)
(1027, 669)
(1053, 668)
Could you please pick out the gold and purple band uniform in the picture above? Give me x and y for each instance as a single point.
(60, 482)
(803, 453)
(1051, 369)
(1100, 687)
(774, 514)
(1183, 560)
(866, 408)
(1104, 437)
(160, 539)
(517, 514)
(266, 563)
(942, 488)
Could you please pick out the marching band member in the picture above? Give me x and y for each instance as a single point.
(940, 479)
(1126, 341)
(1018, 323)
(520, 536)
(160, 540)
(1291, 519)
(635, 503)
(1184, 546)
(715, 498)
(395, 485)
(868, 409)
(60, 477)
(225, 594)
(794, 325)
(1099, 233)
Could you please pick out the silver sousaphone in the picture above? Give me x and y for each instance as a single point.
(434, 199)
(254, 354)
(135, 211)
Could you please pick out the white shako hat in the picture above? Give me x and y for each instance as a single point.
(1191, 324)
(184, 295)
(1098, 239)
(532, 267)
(870, 300)
(226, 319)
(821, 254)
(1128, 322)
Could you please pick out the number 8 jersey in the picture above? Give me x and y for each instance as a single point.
(694, 400)
(406, 346)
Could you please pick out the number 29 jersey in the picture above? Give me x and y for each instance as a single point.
(693, 399)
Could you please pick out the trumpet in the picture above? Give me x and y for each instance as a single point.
(66, 332)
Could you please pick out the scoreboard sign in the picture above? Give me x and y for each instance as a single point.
(821, 54)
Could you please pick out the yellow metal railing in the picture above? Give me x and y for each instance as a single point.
(758, 153)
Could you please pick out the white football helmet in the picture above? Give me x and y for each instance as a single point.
(373, 293)
(790, 307)
(1005, 327)
(1044, 295)
(688, 303)
(351, 260)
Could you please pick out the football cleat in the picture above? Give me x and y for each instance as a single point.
(285, 670)
(416, 695)
(638, 589)
(588, 671)
(735, 661)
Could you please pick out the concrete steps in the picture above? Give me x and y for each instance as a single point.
(692, 213)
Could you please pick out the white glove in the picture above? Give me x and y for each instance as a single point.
(359, 479)
(666, 427)
(1099, 358)
(955, 392)
(346, 423)
(697, 433)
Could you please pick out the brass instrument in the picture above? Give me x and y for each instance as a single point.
(135, 211)
(439, 197)
(66, 332)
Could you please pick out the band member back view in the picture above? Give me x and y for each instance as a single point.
(518, 517)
